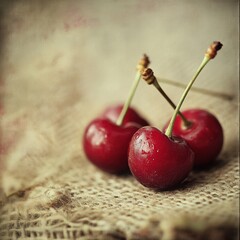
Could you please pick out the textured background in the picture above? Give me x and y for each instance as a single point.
(63, 62)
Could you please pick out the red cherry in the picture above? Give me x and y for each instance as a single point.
(204, 135)
(158, 161)
(132, 115)
(106, 144)
(106, 140)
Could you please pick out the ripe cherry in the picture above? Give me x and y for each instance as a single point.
(106, 142)
(204, 135)
(113, 112)
(158, 161)
(163, 161)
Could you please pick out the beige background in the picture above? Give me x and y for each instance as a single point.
(46, 42)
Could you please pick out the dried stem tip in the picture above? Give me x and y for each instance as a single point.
(212, 50)
(148, 75)
(143, 63)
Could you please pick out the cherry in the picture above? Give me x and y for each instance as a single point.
(106, 142)
(158, 161)
(204, 135)
(113, 112)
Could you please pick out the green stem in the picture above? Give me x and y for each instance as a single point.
(170, 126)
(157, 86)
(129, 99)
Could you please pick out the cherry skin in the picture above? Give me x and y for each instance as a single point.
(106, 144)
(204, 135)
(158, 161)
(132, 115)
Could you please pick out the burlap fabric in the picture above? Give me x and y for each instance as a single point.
(62, 63)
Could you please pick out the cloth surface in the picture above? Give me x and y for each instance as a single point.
(62, 63)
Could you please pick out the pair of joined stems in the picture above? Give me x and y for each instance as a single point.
(210, 54)
(132, 93)
(169, 130)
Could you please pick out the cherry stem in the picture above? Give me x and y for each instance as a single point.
(158, 87)
(210, 54)
(142, 64)
(129, 99)
(170, 126)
